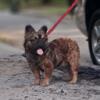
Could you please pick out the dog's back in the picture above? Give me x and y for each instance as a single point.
(63, 50)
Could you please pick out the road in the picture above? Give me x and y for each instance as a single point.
(12, 22)
(16, 77)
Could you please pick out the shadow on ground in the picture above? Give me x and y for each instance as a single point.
(90, 74)
(86, 73)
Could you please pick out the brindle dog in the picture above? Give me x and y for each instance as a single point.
(45, 56)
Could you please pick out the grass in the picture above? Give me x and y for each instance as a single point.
(32, 3)
(54, 10)
(3, 6)
(59, 1)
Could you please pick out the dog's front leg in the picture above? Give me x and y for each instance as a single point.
(36, 73)
(48, 69)
(37, 77)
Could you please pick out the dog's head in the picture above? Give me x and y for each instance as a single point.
(36, 41)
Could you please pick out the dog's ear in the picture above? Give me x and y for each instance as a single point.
(29, 29)
(44, 29)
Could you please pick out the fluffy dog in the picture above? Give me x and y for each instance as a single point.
(45, 56)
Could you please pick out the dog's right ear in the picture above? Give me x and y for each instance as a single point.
(29, 29)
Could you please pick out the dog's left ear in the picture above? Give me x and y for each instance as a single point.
(29, 29)
(44, 29)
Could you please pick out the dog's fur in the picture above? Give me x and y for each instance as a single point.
(56, 52)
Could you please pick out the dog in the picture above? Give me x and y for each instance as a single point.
(44, 56)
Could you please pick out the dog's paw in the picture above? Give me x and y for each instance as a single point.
(44, 82)
(36, 82)
(72, 81)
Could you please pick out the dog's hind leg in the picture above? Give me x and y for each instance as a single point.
(74, 74)
(73, 65)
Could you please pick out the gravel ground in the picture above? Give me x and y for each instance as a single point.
(16, 81)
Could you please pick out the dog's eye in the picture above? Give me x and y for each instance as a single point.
(32, 40)
(35, 37)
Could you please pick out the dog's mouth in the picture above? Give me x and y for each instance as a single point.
(40, 51)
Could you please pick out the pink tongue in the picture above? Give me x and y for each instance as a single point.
(39, 51)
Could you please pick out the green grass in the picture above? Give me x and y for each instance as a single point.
(31, 3)
(57, 6)
(55, 10)
(3, 6)
(59, 1)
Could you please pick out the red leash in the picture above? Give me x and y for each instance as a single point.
(62, 17)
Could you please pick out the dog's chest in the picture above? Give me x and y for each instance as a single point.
(55, 56)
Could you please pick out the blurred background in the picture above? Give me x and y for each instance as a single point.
(17, 5)
(15, 14)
